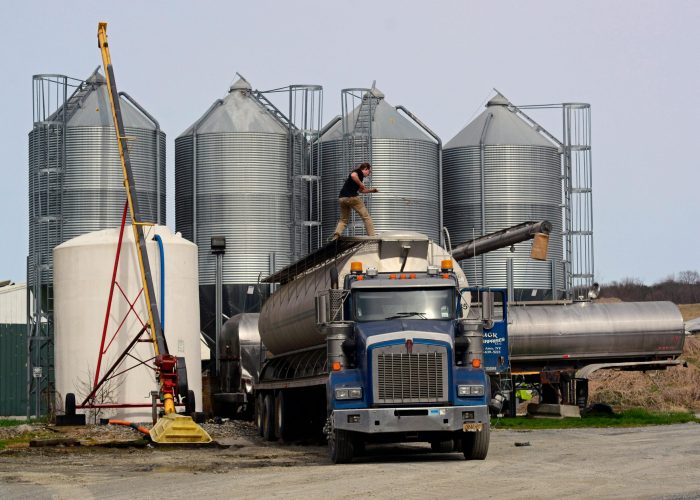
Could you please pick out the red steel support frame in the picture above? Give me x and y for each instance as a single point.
(111, 295)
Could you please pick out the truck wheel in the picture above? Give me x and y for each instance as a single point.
(340, 447)
(283, 417)
(475, 445)
(259, 409)
(359, 447)
(442, 446)
(189, 403)
(70, 404)
(269, 417)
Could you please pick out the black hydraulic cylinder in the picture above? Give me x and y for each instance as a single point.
(500, 239)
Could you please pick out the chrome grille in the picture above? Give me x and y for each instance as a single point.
(418, 377)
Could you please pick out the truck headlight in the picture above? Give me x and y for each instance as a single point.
(349, 393)
(470, 390)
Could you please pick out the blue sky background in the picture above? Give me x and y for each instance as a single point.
(635, 62)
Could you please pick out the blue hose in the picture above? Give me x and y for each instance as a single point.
(162, 279)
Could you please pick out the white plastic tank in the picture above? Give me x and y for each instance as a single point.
(82, 276)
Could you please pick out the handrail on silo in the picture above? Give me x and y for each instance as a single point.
(155, 122)
(439, 144)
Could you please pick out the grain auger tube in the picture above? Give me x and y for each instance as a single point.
(170, 372)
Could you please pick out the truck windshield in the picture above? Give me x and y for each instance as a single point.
(374, 305)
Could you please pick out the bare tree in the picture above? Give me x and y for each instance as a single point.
(106, 394)
(689, 277)
(685, 289)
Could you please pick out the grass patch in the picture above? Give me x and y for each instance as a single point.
(14, 423)
(21, 439)
(628, 418)
(10, 436)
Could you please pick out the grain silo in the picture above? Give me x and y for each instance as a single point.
(76, 185)
(405, 163)
(232, 179)
(499, 171)
(78, 144)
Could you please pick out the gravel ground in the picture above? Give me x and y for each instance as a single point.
(649, 462)
(100, 434)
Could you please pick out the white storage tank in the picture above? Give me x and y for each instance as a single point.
(82, 275)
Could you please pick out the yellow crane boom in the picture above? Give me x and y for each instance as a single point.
(173, 427)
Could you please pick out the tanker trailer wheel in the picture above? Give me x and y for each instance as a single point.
(284, 420)
(268, 417)
(340, 447)
(475, 445)
(259, 409)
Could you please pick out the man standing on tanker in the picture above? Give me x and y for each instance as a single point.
(349, 199)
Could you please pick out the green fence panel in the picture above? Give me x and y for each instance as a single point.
(13, 370)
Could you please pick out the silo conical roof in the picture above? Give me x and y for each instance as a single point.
(96, 111)
(240, 112)
(387, 123)
(505, 128)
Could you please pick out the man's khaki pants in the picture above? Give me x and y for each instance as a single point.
(355, 203)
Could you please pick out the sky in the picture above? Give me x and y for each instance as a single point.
(635, 62)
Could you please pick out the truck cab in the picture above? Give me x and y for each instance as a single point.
(368, 343)
(408, 366)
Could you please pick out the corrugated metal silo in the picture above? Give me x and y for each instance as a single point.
(405, 170)
(90, 194)
(76, 186)
(498, 172)
(232, 179)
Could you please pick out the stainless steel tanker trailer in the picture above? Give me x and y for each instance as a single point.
(558, 347)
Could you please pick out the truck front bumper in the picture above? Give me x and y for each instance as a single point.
(419, 419)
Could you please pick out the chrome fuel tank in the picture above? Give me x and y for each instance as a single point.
(593, 331)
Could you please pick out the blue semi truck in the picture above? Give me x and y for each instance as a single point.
(372, 340)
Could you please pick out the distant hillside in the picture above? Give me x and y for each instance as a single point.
(683, 289)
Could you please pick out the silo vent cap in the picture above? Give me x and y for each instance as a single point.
(498, 100)
(240, 84)
(375, 92)
(96, 78)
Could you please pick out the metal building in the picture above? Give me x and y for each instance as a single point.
(240, 173)
(13, 348)
(499, 171)
(405, 160)
(76, 186)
